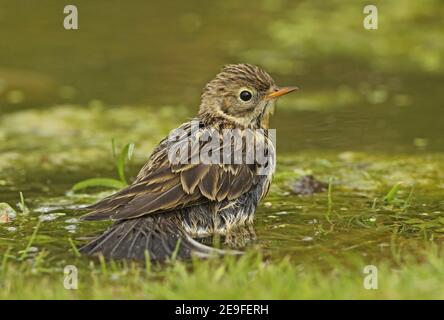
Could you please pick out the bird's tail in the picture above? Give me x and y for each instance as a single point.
(157, 238)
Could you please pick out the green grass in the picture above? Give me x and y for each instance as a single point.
(329, 198)
(247, 277)
(120, 161)
(391, 195)
(22, 204)
(24, 253)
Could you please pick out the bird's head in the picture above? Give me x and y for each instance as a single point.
(241, 94)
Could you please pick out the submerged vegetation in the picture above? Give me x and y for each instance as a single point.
(248, 277)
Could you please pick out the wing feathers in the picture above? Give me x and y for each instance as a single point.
(162, 186)
(192, 177)
(209, 185)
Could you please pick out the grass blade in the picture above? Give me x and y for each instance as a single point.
(99, 182)
(408, 201)
(74, 247)
(329, 198)
(5, 261)
(124, 156)
(113, 148)
(391, 195)
(31, 240)
(22, 204)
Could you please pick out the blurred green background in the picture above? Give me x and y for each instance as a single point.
(377, 90)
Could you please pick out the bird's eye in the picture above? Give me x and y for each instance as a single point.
(245, 95)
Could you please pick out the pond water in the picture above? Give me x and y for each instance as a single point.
(369, 112)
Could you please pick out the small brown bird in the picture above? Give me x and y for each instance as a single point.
(171, 203)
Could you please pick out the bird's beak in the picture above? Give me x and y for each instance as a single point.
(280, 92)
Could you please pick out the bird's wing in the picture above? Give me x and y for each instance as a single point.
(163, 186)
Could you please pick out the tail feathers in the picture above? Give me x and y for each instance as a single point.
(108, 206)
(157, 237)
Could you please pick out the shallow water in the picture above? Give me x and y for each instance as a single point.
(368, 114)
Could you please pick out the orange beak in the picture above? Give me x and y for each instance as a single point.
(281, 92)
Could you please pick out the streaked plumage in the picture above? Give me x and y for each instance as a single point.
(170, 201)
